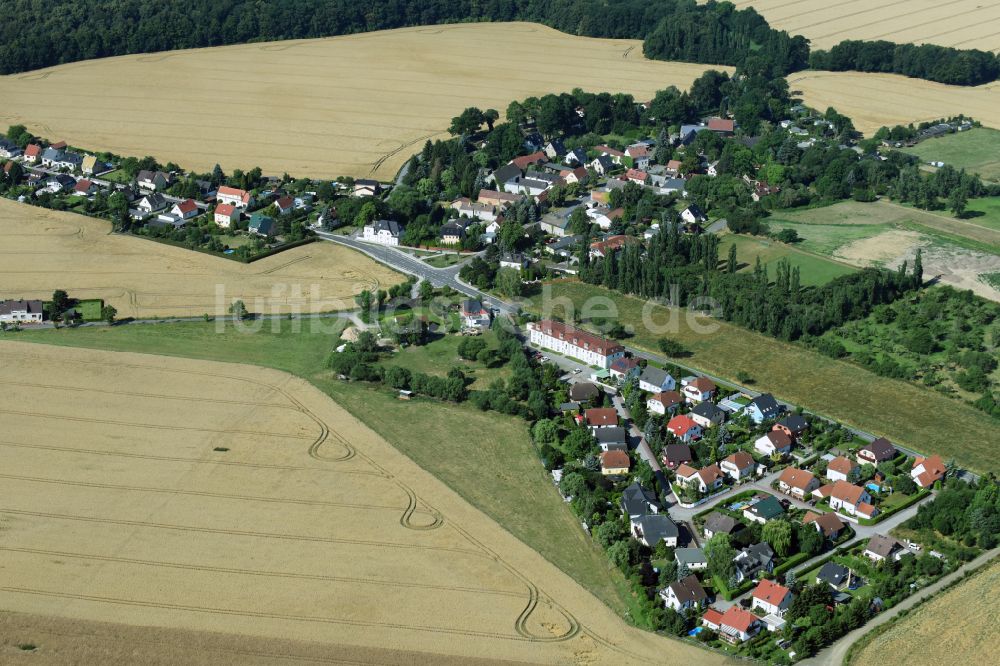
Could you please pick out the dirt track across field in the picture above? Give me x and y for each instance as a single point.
(43, 250)
(196, 496)
(355, 105)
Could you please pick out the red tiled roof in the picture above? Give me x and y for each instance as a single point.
(636, 174)
(608, 150)
(779, 438)
(741, 459)
(712, 616)
(770, 592)
(710, 473)
(738, 619)
(829, 523)
(187, 206)
(231, 191)
(866, 510)
(842, 465)
(934, 470)
(796, 478)
(225, 209)
(58, 145)
(703, 384)
(33, 150)
(613, 243)
(525, 161)
(847, 492)
(637, 151)
(674, 165)
(284, 202)
(685, 471)
(577, 337)
(615, 460)
(680, 424)
(668, 398)
(601, 416)
(82, 185)
(721, 125)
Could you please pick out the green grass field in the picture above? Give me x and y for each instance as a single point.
(445, 260)
(442, 355)
(485, 457)
(977, 151)
(903, 412)
(827, 229)
(815, 270)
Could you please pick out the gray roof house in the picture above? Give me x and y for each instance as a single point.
(583, 391)
(638, 501)
(656, 380)
(693, 558)
(753, 559)
(833, 574)
(614, 438)
(720, 523)
(505, 173)
(651, 529)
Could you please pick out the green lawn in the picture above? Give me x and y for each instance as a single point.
(442, 355)
(826, 229)
(485, 457)
(90, 309)
(977, 151)
(445, 260)
(116, 176)
(906, 413)
(814, 269)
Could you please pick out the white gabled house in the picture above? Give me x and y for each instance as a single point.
(383, 232)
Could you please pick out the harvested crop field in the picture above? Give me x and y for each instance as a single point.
(240, 500)
(351, 105)
(966, 24)
(874, 100)
(43, 250)
(949, 629)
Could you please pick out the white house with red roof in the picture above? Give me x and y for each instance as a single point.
(738, 466)
(712, 619)
(773, 442)
(663, 402)
(571, 341)
(84, 188)
(234, 197)
(284, 205)
(226, 215)
(185, 210)
(637, 176)
(771, 597)
(684, 428)
(797, 482)
(737, 625)
(699, 389)
(32, 153)
(841, 468)
(847, 496)
(927, 471)
(722, 126)
(706, 479)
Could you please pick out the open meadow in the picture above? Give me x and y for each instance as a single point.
(949, 629)
(976, 150)
(966, 24)
(43, 250)
(958, 251)
(355, 105)
(876, 100)
(236, 499)
(815, 270)
(905, 413)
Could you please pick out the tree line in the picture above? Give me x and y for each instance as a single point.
(944, 64)
(42, 33)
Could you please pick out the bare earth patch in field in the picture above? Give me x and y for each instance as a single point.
(966, 24)
(240, 500)
(42, 250)
(953, 628)
(874, 100)
(880, 249)
(351, 105)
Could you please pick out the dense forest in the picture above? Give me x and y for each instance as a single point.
(968, 67)
(42, 33)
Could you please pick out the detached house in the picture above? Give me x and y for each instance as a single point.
(881, 548)
(707, 415)
(612, 439)
(624, 368)
(840, 469)
(651, 529)
(284, 205)
(764, 510)
(383, 232)
(639, 501)
(699, 389)
(226, 215)
(84, 188)
(752, 560)
(185, 210)
(773, 442)
(738, 625)
(684, 428)
(601, 417)
(32, 153)
(797, 482)
(261, 225)
(878, 451)
(763, 408)
(792, 425)
(719, 523)
(675, 455)
(772, 598)
(693, 215)
(738, 466)
(684, 594)
(705, 479)
(151, 203)
(849, 497)
(827, 524)
(364, 187)
(8, 149)
(927, 471)
(615, 463)
(665, 402)
(233, 196)
(21, 312)
(656, 380)
(154, 181)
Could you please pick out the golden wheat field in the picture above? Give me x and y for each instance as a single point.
(953, 628)
(42, 250)
(966, 24)
(154, 491)
(351, 105)
(874, 100)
